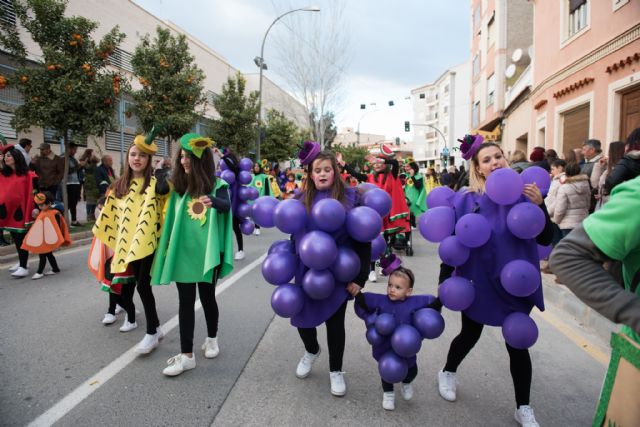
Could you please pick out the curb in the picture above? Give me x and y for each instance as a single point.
(8, 254)
(562, 298)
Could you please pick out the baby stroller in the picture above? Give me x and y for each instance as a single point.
(402, 242)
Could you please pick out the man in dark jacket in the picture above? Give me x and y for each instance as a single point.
(50, 169)
(104, 175)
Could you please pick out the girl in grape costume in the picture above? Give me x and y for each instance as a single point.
(492, 303)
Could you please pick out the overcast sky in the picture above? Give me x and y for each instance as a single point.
(396, 45)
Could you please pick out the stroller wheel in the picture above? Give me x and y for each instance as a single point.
(409, 251)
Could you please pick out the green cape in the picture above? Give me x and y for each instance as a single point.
(189, 249)
(417, 199)
(262, 179)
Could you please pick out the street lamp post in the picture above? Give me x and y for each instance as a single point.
(263, 66)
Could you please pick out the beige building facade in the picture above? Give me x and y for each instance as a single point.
(349, 137)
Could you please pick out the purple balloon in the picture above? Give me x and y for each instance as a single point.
(452, 252)
(287, 300)
(440, 196)
(318, 250)
(519, 331)
(244, 193)
(245, 177)
(378, 246)
(253, 193)
(262, 211)
(328, 215)
(280, 246)
(243, 210)
(526, 220)
(223, 166)
(406, 341)
(457, 293)
(374, 337)
(346, 266)
(363, 224)
(318, 284)
(370, 320)
(290, 216)
(378, 200)
(228, 176)
(245, 164)
(504, 186)
(473, 230)
(279, 268)
(392, 367)
(520, 278)
(247, 226)
(428, 322)
(385, 323)
(436, 224)
(544, 251)
(538, 176)
(366, 186)
(218, 173)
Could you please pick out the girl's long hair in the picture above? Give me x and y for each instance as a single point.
(616, 152)
(20, 166)
(122, 184)
(337, 188)
(477, 181)
(201, 179)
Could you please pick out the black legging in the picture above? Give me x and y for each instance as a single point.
(335, 338)
(411, 375)
(23, 256)
(186, 314)
(125, 299)
(73, 192)
(43, 262)
(519, 360)
(237, 232)
(141, 270)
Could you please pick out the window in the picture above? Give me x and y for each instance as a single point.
(491, 30)
(476, 65)
(422, 95)
(617, 4)
(446, 89)
(445, 129)
(477, 18)
(211, 96)
(121, 59)
(7, 12)
(475, 115)
(578, 14)
(5, 125)
(491, 88)
(436, 115)
(446, 109)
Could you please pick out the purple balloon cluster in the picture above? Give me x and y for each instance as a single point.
(242, 191)
(405, 340)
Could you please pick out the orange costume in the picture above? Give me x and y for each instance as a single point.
(48, 232)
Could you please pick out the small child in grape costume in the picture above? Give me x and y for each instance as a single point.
(396, 324)
(497, 220)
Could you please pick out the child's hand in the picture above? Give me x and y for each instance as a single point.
(205, 200)
(34, 213)
(353, 289)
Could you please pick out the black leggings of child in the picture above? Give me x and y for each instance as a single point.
(519, 360)
(186, 314)
(43, 262)
(237, 232)
(141, 270)
(411, 375)
(335, 338)
(23, 256)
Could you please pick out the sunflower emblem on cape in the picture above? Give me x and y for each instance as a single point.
(258, 184)
(197, 211)
(410, 182)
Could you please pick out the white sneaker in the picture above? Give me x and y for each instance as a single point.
(149, 343)
(50, 273)
(372, 276)
(389, 400)
(447, 385)
(256, 232)
(109, 319)
(338, 387)
(37, 276)
(407, 391)
(524, 416)
(126, 326)
(305, 364)
(211, 348)
(119, 309)
(20, 272)
(239, 255)
(178, 364)
(14, 267)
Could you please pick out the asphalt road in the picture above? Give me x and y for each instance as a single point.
(59, 364)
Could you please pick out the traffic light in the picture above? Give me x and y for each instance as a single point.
(407, 126)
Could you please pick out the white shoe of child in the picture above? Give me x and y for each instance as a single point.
(306, 362)
(109, 319)
(211, 348)
(178, 364)
(338, 386)
(407, 391)
(447, 385)
(524, 416)
(389, 400)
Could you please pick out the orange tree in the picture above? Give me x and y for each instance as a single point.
(68, 88)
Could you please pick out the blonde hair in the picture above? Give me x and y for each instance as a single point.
(477, 181)
(517, 156)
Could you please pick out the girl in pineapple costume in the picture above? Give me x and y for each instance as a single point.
(129, 225)
(196, 247)
(47, 233)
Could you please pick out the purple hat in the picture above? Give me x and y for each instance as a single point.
(308, 152)
(469, 145)
(390, 264)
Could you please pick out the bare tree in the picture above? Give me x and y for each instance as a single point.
(313, 53)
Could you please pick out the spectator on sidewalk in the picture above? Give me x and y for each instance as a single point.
(592, 151)
(558, 177)
(572, 200)
(73, 183)
(629, 166)
(50, 169)
(519, 161)
(104, 175)
(24, 146)
(616, 152)
(537, 158)
(89, 187)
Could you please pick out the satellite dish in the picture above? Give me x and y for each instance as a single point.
(510, 71)
(517, 55)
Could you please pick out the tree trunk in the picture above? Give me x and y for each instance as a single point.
(65, 195)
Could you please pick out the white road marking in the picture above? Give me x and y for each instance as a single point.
(73, 399)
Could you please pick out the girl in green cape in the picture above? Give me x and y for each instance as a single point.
(196, 246)
(261, 183)
(414, 191)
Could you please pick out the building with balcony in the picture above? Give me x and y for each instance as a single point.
(349, 137)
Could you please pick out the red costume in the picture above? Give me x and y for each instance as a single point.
(398, 219)
(16, 202)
